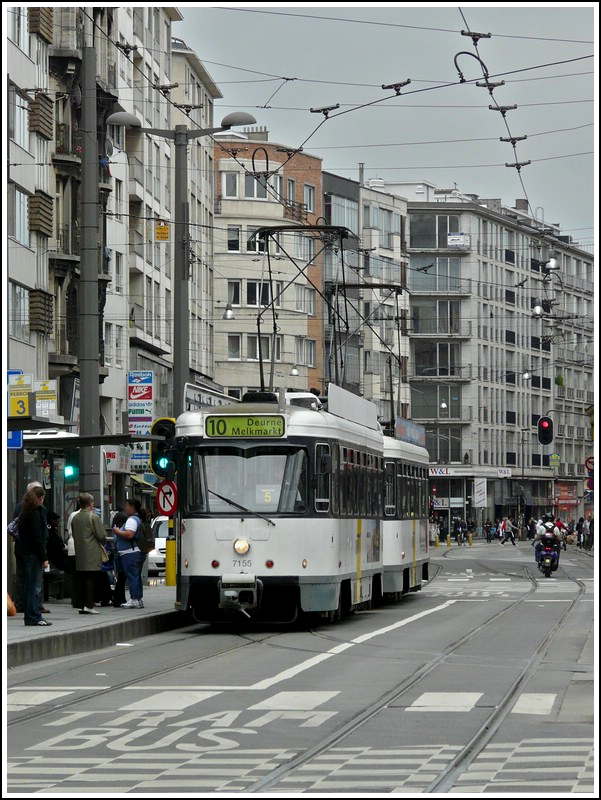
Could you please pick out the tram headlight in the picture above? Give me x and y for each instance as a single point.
(241, 546)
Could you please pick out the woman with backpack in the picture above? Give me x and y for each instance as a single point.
(131, 555)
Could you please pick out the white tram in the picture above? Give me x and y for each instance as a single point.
(286, 508)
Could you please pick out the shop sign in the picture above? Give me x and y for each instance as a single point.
(480, 493)
(566, 494)
(118, 459)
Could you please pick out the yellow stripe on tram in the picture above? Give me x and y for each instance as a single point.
(358, 578)
(414, 556)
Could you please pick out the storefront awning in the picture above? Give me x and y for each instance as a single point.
(147, 487)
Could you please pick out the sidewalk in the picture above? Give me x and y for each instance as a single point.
(72, 632)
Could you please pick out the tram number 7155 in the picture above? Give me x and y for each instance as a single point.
(242, 562)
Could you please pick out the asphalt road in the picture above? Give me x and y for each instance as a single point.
(480, 683)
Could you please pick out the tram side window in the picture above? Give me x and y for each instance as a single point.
(195, 493)
(335, 481)
(412, 492)
(390, 492)
(323, 472)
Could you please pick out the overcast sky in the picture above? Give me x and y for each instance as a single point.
(411, 137)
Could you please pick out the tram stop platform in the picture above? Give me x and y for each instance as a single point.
(72, 633)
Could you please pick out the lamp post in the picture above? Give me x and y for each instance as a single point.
(181, 135)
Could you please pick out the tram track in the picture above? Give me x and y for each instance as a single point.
(462, 760)
(132, 681)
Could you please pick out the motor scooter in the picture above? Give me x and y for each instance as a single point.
(548, 561)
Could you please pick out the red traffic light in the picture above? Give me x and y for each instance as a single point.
(544, 430)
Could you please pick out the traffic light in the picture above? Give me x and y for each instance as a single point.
(71, 470)
(160, 456)
(544, 430)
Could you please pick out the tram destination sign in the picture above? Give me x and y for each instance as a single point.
(245, 426)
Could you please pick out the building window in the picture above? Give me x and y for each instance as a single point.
(118, 199)
(252, 348)
(18, 312)
(18, 123)
(17, 28)
(305, 350)
(309, 197)
(430, 274)
(255, 187)
(305, 247)
(233, 292)
(278, 187)
(444, 445)
(18, 214)
(234, 392)
(233, 238)
(108, 344)
(118, 285)
(431, 230)
(291, 190)
(257, 293)
(169, 315)
(441, 317)
(255, 244)
(304, 300)
(233, 347)
(229, 184)
(119, 345)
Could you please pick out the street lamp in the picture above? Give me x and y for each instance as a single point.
(181, 135)
(229, 312)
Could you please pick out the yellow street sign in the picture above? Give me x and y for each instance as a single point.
(18, 404)
(161, 233)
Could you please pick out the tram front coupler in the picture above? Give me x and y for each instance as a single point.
(239, 592)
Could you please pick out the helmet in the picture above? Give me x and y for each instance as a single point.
(548, 518)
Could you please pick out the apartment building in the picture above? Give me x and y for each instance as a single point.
(500, 335)
(268, 289)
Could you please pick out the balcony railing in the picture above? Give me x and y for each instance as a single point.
(294, 210)
(137, 243)
(433, 327)
(67, 239)
(66, 140)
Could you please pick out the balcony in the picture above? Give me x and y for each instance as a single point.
(67, 239)
(67, 149)
(295, 211)
(65, 256)
(442, 416)
(444, 374)
(423, 285)
(136, 179)
(441, 328)
(455, 242)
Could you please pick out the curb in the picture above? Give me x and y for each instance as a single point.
(75, 642)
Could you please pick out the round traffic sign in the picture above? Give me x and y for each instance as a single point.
(590, 463)
(167, 498)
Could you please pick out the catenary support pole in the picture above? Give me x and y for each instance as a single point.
(89, 335)
(181, 267)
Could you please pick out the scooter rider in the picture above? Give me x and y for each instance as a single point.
(547, 535)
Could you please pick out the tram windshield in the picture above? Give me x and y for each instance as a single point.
(264, 479)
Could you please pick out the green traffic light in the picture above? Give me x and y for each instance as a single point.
(163, 462)
(69, 471)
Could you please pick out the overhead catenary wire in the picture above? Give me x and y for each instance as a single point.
(310, 135)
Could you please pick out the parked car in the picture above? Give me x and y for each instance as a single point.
(156, 557)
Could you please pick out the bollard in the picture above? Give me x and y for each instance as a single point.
(448, 539)
(170, 567)
(469, 539)
(436, 541)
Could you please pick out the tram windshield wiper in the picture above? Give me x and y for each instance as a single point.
(242, 508)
